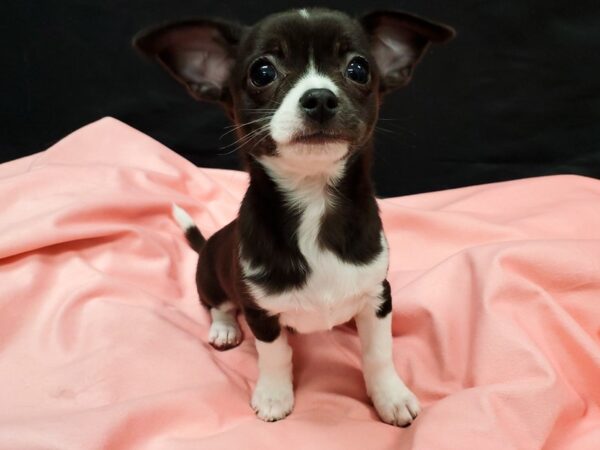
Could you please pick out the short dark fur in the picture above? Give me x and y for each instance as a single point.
(264, 232)
(352, 228)
(385, 307)
(195, 238)
(267, 233)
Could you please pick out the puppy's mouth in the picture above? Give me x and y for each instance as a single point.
(318, 138)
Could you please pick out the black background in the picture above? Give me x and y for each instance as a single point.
(516, 94)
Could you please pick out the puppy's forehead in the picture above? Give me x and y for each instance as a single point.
(306, 32)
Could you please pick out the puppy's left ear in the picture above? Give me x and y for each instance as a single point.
(398, 41)
(199, 54)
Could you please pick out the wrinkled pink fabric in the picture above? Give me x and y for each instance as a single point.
(103, 343)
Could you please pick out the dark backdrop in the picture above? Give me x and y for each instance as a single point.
(516, 94)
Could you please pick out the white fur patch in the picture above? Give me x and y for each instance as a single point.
(301, 160)
(273, 396)
(224, 330)
(181, 216)
(304, 13)
(288, 119)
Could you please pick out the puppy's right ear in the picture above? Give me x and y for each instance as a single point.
(198, 53)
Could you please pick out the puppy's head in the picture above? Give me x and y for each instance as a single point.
(303, 86)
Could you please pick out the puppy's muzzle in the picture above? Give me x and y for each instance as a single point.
(319, 105)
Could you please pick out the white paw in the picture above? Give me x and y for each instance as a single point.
(394, 402)
(224, 335)
(273, 399)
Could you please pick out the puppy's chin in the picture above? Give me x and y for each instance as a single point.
(311, 157)
(317, 151)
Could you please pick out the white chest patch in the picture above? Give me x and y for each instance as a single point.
(335, 291)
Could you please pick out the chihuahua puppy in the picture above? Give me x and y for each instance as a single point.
(307, 250)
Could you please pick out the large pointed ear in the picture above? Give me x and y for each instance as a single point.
(197, 53)
(398, 41)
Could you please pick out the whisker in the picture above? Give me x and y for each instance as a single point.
(246, 123)
(237, 127)
(241, 144)
(387, 130)
(398, 132)
(260, 140)
(246, 139)
(395, 119)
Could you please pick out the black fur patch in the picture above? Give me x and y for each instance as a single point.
(265, 328)
(385, 307)
(268, 229)
(352, 228)
(215, 272)
(195, 238)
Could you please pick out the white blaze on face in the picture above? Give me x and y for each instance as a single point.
(288, 121)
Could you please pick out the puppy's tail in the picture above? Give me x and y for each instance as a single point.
(186, 223)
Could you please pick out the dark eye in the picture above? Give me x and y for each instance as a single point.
(262, 72)
(358, 70)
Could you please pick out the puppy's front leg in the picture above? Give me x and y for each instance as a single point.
(394, 402)
(273, 397)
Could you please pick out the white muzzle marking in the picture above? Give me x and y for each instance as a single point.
(288, 121)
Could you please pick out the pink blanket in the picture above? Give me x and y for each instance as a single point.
(104, 345)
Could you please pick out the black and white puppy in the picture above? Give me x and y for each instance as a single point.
(307, 251)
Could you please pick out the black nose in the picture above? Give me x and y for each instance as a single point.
(319, 104)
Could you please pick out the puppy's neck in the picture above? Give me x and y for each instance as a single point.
(345, 177)
(334, 209)
(307, 168)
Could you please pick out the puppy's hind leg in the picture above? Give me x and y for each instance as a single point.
(224, 331)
